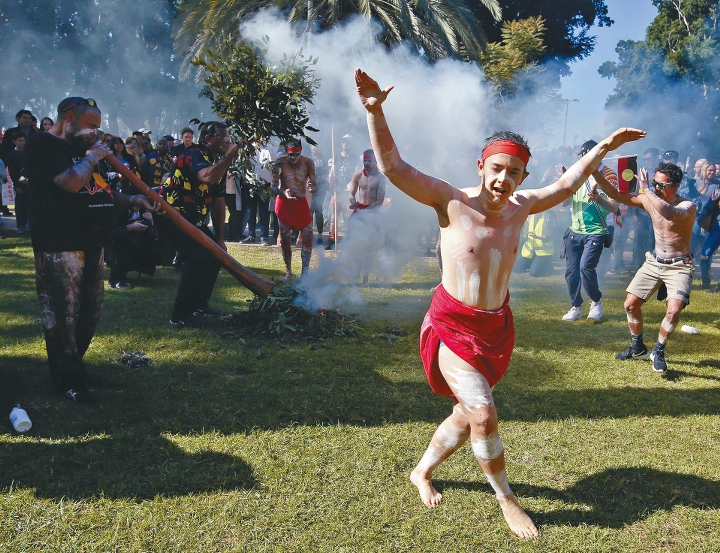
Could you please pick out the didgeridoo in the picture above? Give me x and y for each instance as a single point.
(254, 282)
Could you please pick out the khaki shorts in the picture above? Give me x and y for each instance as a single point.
(677, 277)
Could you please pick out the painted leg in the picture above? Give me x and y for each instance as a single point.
(286, 248)
(449, 436)
(475, 396)
(306, 252)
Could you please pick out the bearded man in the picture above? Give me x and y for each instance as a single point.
(71, 218)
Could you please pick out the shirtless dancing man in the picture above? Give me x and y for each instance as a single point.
(671, 262)
(294, 183)
(369, 187)
(468, 335)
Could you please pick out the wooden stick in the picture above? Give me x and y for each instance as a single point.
(334, 169)
(254, 282)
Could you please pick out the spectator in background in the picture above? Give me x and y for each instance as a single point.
(583, 241)
(318, 199)
(15, 167)
(195, 189)
(134, 148)
(705, 186)
(46, 123)
(186, 135)
(158, 162)
(255, 209)
(24, 120)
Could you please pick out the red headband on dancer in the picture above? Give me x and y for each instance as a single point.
(507, 147)
(293, 148)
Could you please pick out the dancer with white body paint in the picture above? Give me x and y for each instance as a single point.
(671, 262)
(468, 333)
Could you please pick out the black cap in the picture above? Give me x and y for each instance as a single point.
(73, 101)
(587, 146)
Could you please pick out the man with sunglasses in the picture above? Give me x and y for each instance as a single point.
(71, 218)
(294, 182)
(671, 262)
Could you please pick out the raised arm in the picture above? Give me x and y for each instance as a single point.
(419, 186)
(575, 176)
(633, 200)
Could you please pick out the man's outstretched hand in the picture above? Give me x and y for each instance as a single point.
(621, 136)
(369, 91)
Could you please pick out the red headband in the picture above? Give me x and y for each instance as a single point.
(507, 147)
(294, 150)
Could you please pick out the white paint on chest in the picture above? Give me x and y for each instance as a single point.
(461, 276)
(474, 287)
(481, 232)
(466, 222)
(491, 286)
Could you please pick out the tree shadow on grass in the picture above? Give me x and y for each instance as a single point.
(131, 466)
(613, 498)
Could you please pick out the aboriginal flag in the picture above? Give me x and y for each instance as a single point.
(627, 174)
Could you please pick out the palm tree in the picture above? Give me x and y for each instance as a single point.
(439, 28)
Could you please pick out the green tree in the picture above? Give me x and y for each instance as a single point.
(258, 100)
(674, 68)
(517, 54)
(567, 25)
(437, 28)
(120, 55)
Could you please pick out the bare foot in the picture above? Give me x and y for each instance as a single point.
(428, 494)
(517, 519)
(287, 278)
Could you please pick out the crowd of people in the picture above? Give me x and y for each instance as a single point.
(83, 210)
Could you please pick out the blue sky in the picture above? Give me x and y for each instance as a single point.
(585, 117)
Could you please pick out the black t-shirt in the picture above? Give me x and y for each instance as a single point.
(64, 221)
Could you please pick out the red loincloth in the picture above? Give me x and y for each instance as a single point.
(484, 339)
(293, 214)
(359, 206)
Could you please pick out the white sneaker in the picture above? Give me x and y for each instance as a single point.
(573, 315)
(596, 310)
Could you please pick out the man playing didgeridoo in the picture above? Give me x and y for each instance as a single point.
(468, 335)
(294, 183)
(670, 262)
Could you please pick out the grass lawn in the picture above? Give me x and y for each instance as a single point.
(230, 444)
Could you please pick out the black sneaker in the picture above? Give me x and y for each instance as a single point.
(330, 245)
(658, 359)
(207, 311)
(119, 285)
(248, 240)
(633, 353)
(186, 322)
(80, 396)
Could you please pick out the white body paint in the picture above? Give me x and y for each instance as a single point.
(491, 290)
(466, 222)
(481, 232)
(500, 484)
(489, 448)
(472, 388)
(631, 319)
(474, 286)
(461, 280)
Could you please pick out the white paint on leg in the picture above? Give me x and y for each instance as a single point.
(500, 484)
(487, 449)
(470, 387)
(631, 319)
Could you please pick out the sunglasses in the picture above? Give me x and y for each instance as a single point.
(662, 185)
(81, 102)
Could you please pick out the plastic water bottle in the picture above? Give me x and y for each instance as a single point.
(19, 419)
